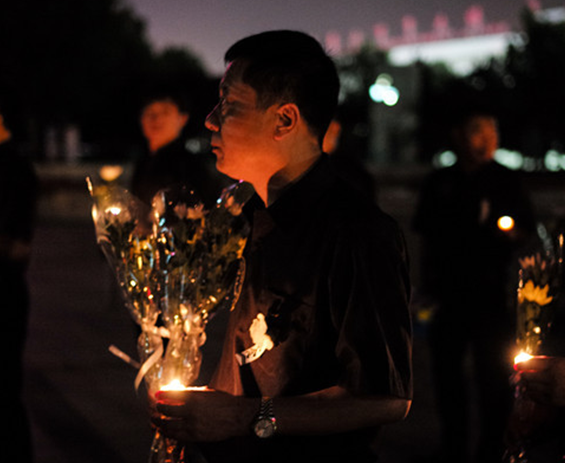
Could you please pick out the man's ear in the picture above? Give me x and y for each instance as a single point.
(287, 118)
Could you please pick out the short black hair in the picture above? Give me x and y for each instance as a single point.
(290, 67)
(179, 98)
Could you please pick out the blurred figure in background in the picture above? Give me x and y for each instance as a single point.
(347, 163)
(166, 161)
(466, 257)
(18, 192)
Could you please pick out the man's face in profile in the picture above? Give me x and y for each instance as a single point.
(241, 131)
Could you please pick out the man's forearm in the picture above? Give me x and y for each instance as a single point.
(334, 410)
(213, 416)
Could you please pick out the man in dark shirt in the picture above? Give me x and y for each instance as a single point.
(467, 251)
(317, 351)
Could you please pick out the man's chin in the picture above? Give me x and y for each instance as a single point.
(223, 169)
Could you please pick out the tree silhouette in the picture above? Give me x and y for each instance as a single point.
(524, 89)
(83, 63)
(537, 68)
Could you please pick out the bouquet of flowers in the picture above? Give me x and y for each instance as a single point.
(176, 264)
(534, 308)
(540, 278)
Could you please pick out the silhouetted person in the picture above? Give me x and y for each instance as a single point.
(167, 162)
(347, 164)
(17, 206)
(465, 265)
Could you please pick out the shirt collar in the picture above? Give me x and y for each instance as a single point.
(298, 198)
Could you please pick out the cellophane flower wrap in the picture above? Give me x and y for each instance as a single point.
(124, 233)
(176, 264)
(537, 286)
(540, 293)
(199, 268)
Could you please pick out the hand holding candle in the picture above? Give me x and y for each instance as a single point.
(202, 414)
(531, 409)
(544, 379)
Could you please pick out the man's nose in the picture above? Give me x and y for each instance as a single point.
(212, 121)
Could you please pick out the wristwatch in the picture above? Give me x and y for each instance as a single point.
(265, 423)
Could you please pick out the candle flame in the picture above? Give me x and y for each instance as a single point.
(505, 223)
(522, 357)
(174, 385)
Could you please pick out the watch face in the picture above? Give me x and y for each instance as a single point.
(264, 427)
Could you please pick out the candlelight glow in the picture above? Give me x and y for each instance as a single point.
(522, 357)
(505, 223)
(114, 210)
(109, 173)
(174, 385)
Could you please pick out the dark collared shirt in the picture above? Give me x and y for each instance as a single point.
(457, 214)
(327, 269)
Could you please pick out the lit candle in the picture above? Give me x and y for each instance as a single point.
(505, 223)
(522, 357)
(174, 385)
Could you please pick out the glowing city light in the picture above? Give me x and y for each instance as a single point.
(382, 91)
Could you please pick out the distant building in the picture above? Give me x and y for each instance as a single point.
(394, 123)
(462, 50)
(461, 54)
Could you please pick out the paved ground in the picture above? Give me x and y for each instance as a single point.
(81, 399)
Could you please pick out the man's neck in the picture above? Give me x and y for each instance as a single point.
(5, 135)
(291, 173)
(155, 146)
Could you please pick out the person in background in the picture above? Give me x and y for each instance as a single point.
(166, 161)
(18, 195)
(466, 256)
(317, 354)
(348, 164)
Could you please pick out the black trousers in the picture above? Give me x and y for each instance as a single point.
(483, 329)
(16, 438)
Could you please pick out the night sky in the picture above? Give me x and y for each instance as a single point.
(209, 27)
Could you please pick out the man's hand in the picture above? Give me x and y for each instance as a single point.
(544, 379)
(210, 416)
(203, 415)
